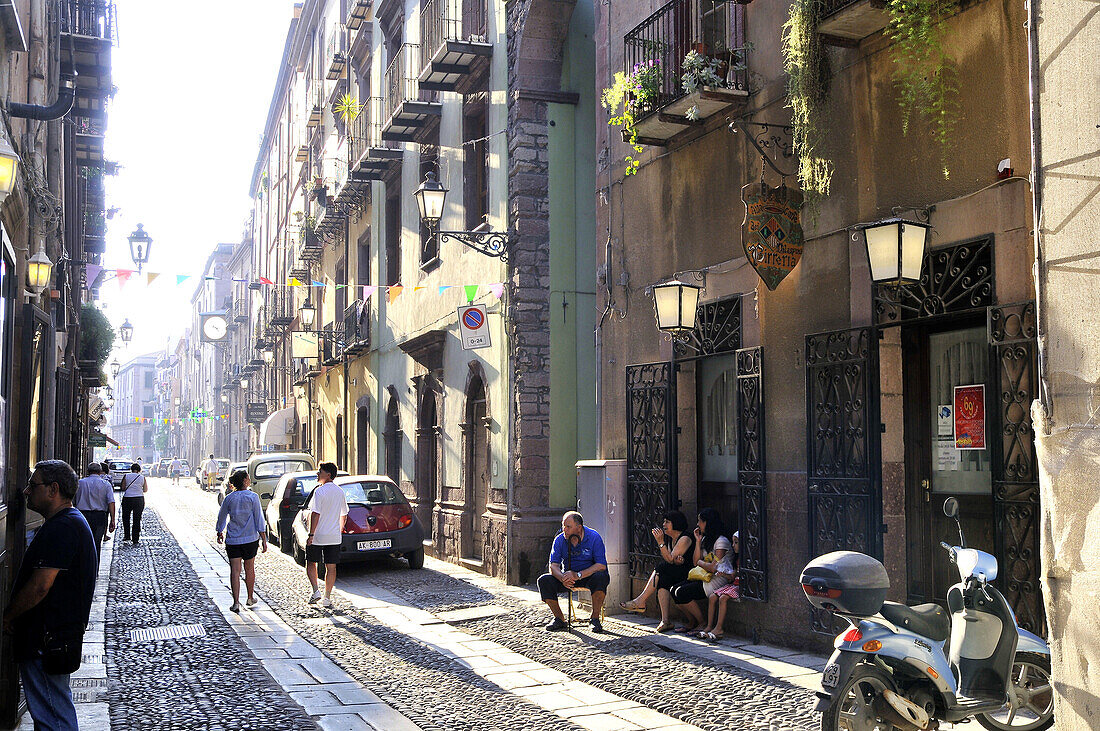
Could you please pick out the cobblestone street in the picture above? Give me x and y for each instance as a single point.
(440, 648)
(448, 649)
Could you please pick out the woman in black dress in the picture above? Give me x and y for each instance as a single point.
(677, 545)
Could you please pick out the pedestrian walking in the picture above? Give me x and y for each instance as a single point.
(209, 472)
(328, 511)
(134, 487)
(51, 598)
(95, 499)
(241, 525)
(175, 469)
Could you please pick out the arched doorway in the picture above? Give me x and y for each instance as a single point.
(476, 460)
(427, 454)
(391, 436)
(362, 439)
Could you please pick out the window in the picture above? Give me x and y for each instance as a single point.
(341, 292)
(393, 239)
(362, 259)
(278, 468)
(147, 411)
(475, 184)
(373, 493)
(429, 163)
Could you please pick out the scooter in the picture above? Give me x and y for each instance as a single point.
(913, 668)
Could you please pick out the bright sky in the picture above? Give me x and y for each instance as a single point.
(194, 83)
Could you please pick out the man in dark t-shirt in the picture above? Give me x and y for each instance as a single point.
(52, 596)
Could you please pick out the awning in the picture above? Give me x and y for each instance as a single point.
(278, 429)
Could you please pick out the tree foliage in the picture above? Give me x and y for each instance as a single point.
(97, 337)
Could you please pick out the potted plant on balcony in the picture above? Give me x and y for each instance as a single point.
(308, 233)
(632, 96)
(320, 191)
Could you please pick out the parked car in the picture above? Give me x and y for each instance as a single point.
(185, 468)
(380, 523)
(224, 487)
(219, 475)
(160, 469)
(286, 500)
(266, 469)
(116, 469)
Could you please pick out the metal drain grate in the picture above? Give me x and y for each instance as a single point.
(167, 632)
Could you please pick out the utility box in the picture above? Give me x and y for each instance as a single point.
(601, 499)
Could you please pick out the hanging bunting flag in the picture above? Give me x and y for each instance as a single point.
(340, 286)
(181, 278)
(418, 288)
(471, 291)
(91, 273)
(265, 280)
(368, 291)
(394, 291)
(315, 283)
(123, 276)
(443, 288)
(150, 277)
(294, 282)
(497, 289)
(209, 279)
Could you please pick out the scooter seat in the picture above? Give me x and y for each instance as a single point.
(930, 620)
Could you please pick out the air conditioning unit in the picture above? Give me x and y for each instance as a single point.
(601, 499)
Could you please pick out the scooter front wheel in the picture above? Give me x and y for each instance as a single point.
(1031, 698)
(853, 709)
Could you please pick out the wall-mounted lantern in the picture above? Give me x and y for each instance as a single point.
(895, 250)
(675, 304)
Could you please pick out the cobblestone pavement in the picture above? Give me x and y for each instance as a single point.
(436, 691)
(209, 681)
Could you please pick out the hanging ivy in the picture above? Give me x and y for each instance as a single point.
(629, 97)
(807, 66)
(925, 76)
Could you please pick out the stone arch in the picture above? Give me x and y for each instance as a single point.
(392, 435)
(362, 435)
(477, 463)
(428, 475)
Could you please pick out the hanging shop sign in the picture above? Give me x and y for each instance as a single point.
(255, 413)
(970, 417)
(97, 440)
(471, 321)
(771, 233)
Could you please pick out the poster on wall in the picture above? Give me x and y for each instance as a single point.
(969, 408)
(771, 233)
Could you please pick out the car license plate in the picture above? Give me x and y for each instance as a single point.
(831, 677)
(374, 545)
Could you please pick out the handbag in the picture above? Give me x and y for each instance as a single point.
(699, 574)
(61, 651)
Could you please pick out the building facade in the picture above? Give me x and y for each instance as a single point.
(132, 418)
(811, 412)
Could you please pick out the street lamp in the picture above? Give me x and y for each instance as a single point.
(308, 313)
(126, 331)
(225, 398)
(430, 197)
(675, 304)
(115, 367)
(244, 384)
(895, 250)
(39, 269)
(268, 354)
(9, 167)
(140, 243)
(177, 400)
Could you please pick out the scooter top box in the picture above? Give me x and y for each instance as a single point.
(846, 582)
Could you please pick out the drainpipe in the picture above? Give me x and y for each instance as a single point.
(66, 96)
(1037, 196)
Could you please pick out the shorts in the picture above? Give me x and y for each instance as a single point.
(323, 554)
(242, 550)
(732, 590)
(550, 586)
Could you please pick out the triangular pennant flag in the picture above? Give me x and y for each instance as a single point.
(394, 291)
(91, 273)
(443, 288)
(239, 279)
(209, 279)
(315, 283)
(150, 277)
(265, 280)
(368, 291)
(294, 282)
(123, 275)
(497, 289)
(417, 289)
(181, 278)
(471, 291)
(340, 286)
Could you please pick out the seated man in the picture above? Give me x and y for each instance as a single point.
(580, 552)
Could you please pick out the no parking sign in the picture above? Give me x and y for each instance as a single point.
(471, 321)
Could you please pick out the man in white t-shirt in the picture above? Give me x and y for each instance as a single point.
(209, 471)
(328, 511)
(175, 468)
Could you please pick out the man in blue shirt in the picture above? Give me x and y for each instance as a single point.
(577, 559)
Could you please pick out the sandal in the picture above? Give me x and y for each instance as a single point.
(632, 606)
(662, 627)
(685, 630)
(712, 637)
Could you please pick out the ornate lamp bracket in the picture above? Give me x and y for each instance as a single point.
(774, 142)
(489, 243)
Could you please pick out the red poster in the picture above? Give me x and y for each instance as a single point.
(970, 417)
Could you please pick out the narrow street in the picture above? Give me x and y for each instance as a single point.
(440, 648)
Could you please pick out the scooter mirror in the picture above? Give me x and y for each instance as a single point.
(951, 508)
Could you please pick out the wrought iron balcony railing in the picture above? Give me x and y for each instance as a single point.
(450, 20)
(657, 47)
(91, 18)
(357, 327)
(402, 83)
(358, 12)
(336, 58)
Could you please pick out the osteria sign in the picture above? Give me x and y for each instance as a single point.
(771, 233)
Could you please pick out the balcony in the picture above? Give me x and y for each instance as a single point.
(357, 327)
(406, 108)
(315, 102)
(240, 309)
(847, 22)
(305, 142)
(310, 246)
(713, 28)
(453, 45)
(88, 143)
(358, 13)
(337, 60)
(371, 156)
(331, 351)
(89, 30)
(94, 229)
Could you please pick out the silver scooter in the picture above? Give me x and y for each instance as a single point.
(913, 668)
